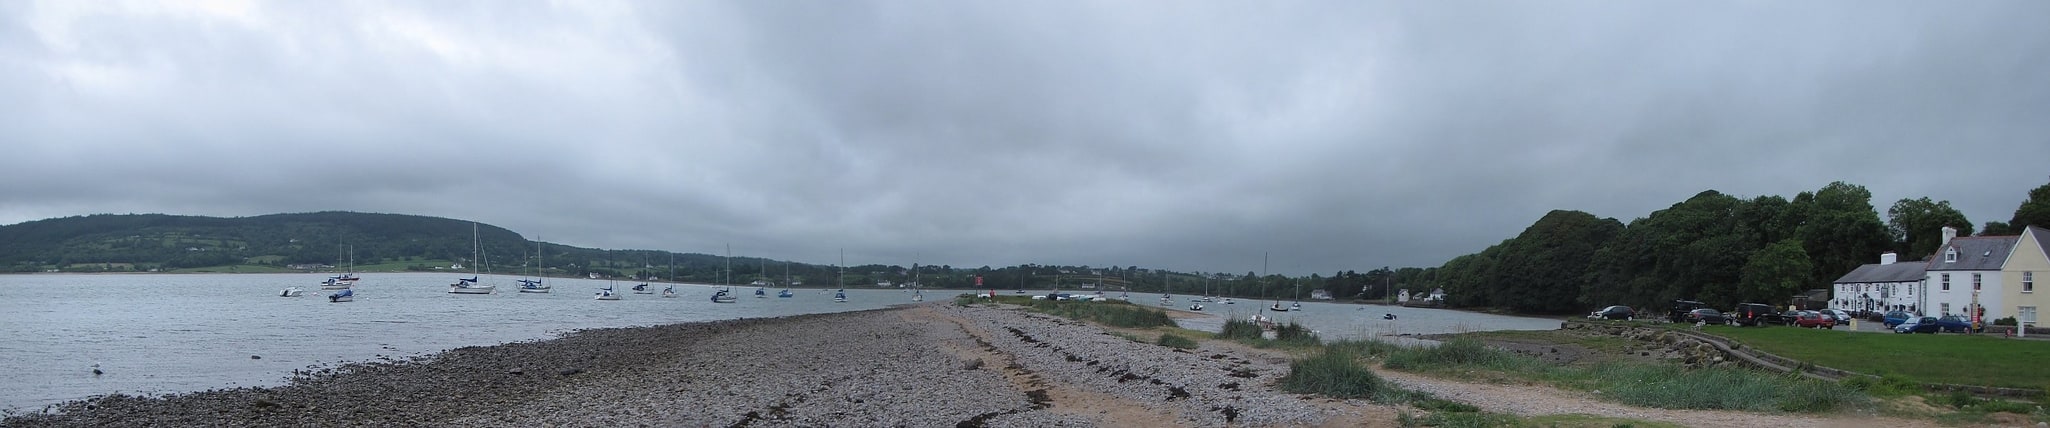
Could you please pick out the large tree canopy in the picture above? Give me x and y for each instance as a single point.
(1918, 223)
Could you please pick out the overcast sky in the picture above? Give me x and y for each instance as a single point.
(1183, 135)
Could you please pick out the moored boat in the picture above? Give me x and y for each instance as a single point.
(346, 295)
(291, 292)
(722, 296)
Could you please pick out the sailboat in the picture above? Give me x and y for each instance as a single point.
(725, 293)
(535, 285)
(607, 294)
(840, 281)
(786, 282)
(344, 280)
(917, 294)
(669, 291)
(291, 292)
(762, 285)
(1263, 286)
(470, 285)
(642, 288)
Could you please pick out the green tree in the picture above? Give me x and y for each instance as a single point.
(1841, 231)
(1917, 225)
(1541, 269)
(1775, 272)
(2033, 212)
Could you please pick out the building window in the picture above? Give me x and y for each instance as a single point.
(2025, 314)
(1950, 255)
(1946, 282)
(2028, 282)
(1945, 311)
(1975, 282)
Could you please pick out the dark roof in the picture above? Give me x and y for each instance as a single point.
(1975, 253)
(2040, 234)
(1897, 272)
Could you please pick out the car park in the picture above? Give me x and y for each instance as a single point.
(1813, 319)
(1895, 318)
(1752, 314)
(1918, 325)
(1706, 316)
(1617, 312)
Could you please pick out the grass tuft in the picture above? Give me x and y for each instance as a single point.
(1175, 341)
(1335, 372)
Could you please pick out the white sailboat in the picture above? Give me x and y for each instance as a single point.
(786, 282)
(470, 285)
(917, 293)
(725, 293)
(535, 285)
(607, 294)
(344, 280)
(669, 291)
(291, 292)
(840, 295)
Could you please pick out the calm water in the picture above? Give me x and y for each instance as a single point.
(156, 334)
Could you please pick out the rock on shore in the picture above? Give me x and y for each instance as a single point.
(929, 365)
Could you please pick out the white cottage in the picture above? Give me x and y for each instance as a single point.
(1966, 272)
(1880, 287)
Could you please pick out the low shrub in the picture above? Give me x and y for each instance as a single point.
(1335, 372)
(1175, 341)
(1293, 334)
(1237, 329)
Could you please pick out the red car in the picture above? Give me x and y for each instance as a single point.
(1815, 320)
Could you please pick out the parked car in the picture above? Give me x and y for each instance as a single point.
(1785, 318)
(1954, 324)
(1842, 317)
(1752, 314)
(1918, 325)
(1681, 308)
(1895, 318)
(1617, 312)
(1813, 319)
(1707, 316)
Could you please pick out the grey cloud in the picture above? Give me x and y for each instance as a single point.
(1336, 135)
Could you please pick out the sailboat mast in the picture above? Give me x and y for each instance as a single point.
(841, 280)
(474, 261)
(726, 278)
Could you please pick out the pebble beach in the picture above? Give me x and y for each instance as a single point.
(934, 364)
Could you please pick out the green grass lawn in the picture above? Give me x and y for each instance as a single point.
(1987, 360)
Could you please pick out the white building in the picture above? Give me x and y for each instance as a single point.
(1881, 287)
(1966, 272)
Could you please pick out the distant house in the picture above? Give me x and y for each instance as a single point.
(1402, 296)
(883, 284)
(1880, 287)
(2025, 265)
(1320, 295)
(1437, 296)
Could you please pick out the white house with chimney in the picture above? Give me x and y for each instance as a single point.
(1889, 285)
(1965, 273)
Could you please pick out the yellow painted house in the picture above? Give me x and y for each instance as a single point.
(2026, 266)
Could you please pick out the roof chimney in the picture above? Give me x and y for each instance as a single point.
(1888, 258)
(1949, 233)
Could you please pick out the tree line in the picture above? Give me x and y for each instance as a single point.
(1712, 247)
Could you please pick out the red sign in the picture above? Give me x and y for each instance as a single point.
(978, 280)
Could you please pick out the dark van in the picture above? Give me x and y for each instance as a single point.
(1680, 307)
(1752, 314)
